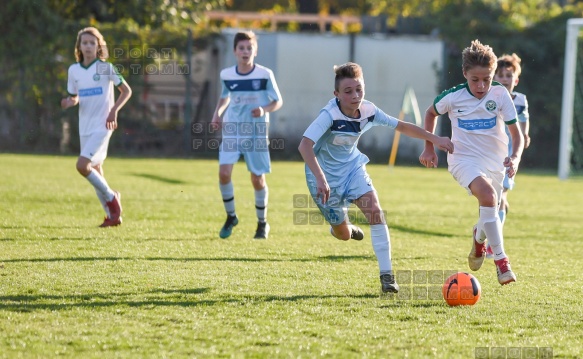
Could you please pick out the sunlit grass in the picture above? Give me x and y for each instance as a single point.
(164, 285)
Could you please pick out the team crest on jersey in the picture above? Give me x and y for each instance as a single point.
(491, 105)
(256, 84)
(96, 77)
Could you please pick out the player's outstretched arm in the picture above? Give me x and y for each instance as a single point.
(411, 130)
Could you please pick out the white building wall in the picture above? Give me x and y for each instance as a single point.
(303, 68)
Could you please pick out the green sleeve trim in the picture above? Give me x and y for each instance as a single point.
(511, 122)
(447, 92)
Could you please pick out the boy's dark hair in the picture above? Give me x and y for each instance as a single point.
(349, 70)
(510, 61)
(244, 35)
(478, 54)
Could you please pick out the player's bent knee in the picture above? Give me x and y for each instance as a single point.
(83, 167)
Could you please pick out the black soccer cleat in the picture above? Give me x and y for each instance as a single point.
(356, 233)
(227, 229)
(388, 283)
(262, 231)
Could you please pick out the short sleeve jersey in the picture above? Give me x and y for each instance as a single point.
(94, 86)
(246, 92)
(336, 139)
(478, 125)
(521, 105)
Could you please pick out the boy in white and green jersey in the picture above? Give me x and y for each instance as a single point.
(479, 111)
(90, 85)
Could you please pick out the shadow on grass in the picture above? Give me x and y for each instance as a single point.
(418, 231)
(176, 298)
(188, 259)
(159, 178)
(416, 303)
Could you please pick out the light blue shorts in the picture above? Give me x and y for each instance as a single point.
(254, 150)
(508, 182)
(335, 210)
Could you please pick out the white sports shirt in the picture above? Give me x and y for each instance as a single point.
(336, 138)
(94, 86)
(478, 125)
(246, 92)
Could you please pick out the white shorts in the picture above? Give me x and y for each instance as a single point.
(94, 147)
(254, 150)
(465, 172)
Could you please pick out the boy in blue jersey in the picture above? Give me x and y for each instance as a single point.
(480, 111)
(335, 169)
(508, 73)
(248, 93)
(90, 85)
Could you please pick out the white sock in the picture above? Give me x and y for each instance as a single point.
(490, 223)
(103, 201)
(228, 194)
(261, 197)
(100, 184)
(381, 244)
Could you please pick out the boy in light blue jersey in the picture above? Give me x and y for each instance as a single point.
(335, 169)
(508, 73)
(479, 111)
(249, 92)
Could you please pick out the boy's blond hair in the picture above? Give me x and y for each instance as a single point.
(102, 52)
(478, 54)
(349, 70)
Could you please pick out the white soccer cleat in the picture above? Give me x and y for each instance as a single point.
(477, 254)
(505, 274)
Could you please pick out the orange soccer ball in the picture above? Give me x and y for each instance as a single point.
(461, 289)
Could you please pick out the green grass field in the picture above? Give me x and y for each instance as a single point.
(163, 285)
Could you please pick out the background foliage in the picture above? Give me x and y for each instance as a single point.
(38, 36)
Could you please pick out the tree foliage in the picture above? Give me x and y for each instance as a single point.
(36, 46)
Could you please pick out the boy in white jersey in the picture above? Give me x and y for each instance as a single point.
(335, 168)
(479, 111)
(249, 92)
(90, 85)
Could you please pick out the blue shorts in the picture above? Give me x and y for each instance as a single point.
(335, 210)
(508, 182)
(254, 150)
